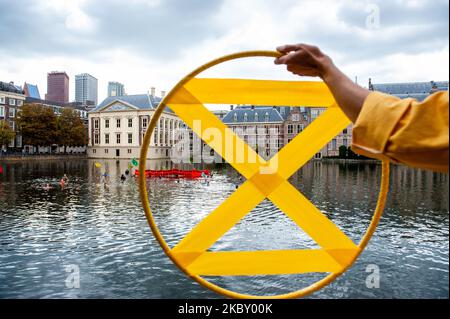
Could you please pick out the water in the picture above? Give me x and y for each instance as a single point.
(103, 231)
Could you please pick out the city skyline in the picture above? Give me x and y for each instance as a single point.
(387, 41)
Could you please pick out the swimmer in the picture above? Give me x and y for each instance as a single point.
(127, 172)
(123, 178)
(62, 183)
(47, 187)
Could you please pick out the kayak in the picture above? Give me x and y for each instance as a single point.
(175, 173)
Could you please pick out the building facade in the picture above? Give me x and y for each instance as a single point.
(57, 87)
(86, 89)
(262, 128)
(117, 127)
(116, 89)
(12, 99)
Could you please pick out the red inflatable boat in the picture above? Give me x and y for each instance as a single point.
(177, 173)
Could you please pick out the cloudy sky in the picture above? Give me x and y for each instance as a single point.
(145, 43)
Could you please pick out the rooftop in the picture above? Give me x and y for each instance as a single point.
(251, 114)
(417, 90)
(140, 101)
(10, 87)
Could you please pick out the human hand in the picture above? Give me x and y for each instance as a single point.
(304, 60)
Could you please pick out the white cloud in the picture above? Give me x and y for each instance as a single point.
(77, 20)
(410, 45)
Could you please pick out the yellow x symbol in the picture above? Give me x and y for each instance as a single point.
(338, 250)
(191, 254)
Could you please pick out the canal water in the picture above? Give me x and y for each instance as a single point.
(101, 231)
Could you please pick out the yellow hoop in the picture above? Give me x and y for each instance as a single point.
(263, 185)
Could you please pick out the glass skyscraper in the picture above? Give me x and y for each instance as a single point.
(86, 89)
(115, 89)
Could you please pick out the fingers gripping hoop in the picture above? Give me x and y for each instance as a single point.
(191, 254)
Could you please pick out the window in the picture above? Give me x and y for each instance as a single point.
(144, 122)
(299, 128)
(106, 138)
(118, 123)
(94, 151)
(256, 117)
(266, 117)
(290, 129)
(118, 138)
(245, 117)
(12, 102)
(106, 151)
(96, 123)
(130, 122)
(344, 131)
(235, 117)
(333, 144)
(2, 99)
(129, 151)
(19, 102)
(345, 142)
(96, 138)
(2, 111)
(107, 123)
(130, 138)
(12, 112)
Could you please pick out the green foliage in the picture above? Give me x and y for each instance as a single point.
(41, 127)
(71, 130)
(343, 151)
(38, 125)
(352, 154)
(6, 133)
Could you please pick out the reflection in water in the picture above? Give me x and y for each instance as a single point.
(103, 230)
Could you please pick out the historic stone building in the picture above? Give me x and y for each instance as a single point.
(117, 127)
(12, 98)
(260, 127)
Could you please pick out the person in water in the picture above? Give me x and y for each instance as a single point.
(62, 183)
(65, 178)
(123, 178)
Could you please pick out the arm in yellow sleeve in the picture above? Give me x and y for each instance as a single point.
(404, 131)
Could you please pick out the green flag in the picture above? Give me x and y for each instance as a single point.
(135, 162)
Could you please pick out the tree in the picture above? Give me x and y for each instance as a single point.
(352, 154)
(342, 151)
(6, 133)
(38, 125)
(71, 130)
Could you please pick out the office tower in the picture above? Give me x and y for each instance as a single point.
(115, 89)
(57, 87)
(86, 89)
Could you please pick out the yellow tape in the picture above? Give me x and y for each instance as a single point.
(256, 92)
(191, 254)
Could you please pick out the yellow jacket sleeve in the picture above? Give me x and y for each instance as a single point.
(404, 131)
